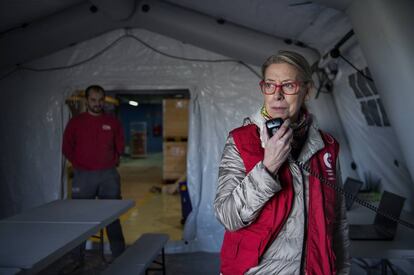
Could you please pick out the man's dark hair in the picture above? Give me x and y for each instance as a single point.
(95, 88)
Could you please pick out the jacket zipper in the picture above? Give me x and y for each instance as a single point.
(275, 235)
(305, 226)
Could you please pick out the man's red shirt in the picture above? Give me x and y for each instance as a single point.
(93, 142)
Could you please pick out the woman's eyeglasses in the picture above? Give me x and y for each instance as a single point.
(287, 88)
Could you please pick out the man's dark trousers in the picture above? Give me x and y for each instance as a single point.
(101, 184)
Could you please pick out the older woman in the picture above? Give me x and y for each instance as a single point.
(278, 218)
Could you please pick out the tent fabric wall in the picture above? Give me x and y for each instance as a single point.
(374, 148)
(31, 124)
(325, 111)
(34, 116)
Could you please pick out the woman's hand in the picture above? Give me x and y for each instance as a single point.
(278, 147)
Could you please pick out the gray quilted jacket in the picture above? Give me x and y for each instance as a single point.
(240, 197)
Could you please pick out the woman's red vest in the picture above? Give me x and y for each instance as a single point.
(243, 248)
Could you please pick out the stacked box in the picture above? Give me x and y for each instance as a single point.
(175, 159)
(138, 144)
(175, 132)
(175, 118)
(138, 132)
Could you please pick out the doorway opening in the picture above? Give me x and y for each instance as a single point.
(153, 166)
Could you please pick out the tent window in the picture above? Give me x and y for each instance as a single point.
(369, 99)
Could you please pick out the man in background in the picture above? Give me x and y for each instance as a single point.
(93, 142)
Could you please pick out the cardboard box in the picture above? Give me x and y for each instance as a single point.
(138, 144)
(175, 159)
(175, 118)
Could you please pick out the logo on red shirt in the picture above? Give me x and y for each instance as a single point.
(106, 127)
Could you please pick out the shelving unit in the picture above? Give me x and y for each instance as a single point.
(138, 132)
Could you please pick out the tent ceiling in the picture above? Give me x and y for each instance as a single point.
(313, 24)
(301, 21)
(15, 13)
(53, 25)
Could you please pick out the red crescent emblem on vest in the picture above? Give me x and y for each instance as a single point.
(329, 139)
(327, 159)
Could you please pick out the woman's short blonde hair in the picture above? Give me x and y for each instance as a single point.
(293, 58)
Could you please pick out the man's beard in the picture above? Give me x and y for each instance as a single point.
(96, 109)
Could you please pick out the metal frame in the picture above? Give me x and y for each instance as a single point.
(162, 264)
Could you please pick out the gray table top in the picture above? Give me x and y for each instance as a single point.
(74, 211)
(401, 247)
(38, 236)
(34, 245)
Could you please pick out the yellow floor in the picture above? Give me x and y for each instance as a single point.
(153, 211)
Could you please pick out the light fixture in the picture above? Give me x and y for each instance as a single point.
(133, 103)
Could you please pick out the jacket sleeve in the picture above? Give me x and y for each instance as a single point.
(119, 139)
(68, 144)
(341, 241)
(240, 197)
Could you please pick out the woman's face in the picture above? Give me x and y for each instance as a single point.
(279, 104)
